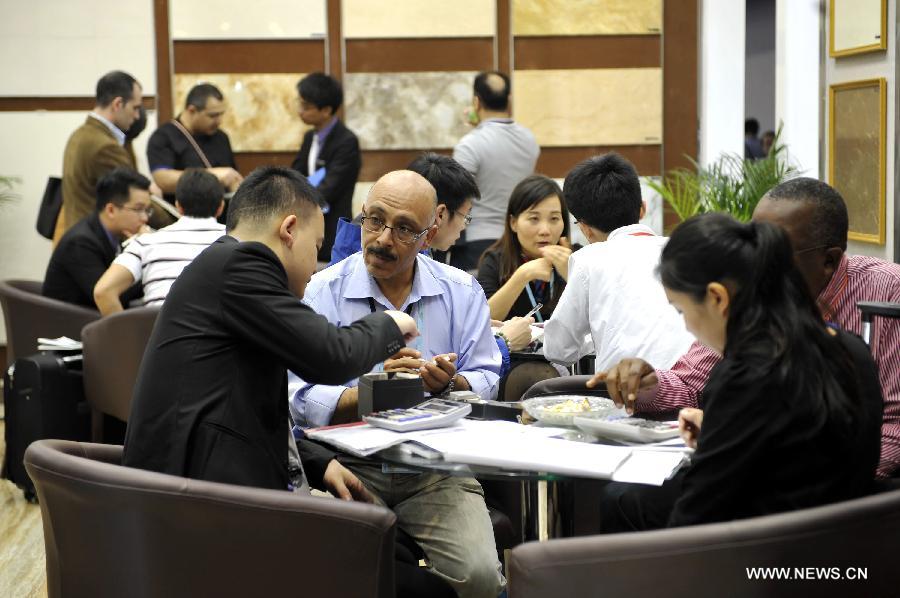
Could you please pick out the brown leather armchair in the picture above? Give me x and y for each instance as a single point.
(113, 349)
(28, 315)
(114, 531)
(713, 560)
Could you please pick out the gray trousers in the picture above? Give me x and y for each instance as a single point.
(448, 519)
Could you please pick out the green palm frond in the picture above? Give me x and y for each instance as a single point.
(730, 184)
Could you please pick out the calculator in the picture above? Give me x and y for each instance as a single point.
(433, 413)
(627, 428)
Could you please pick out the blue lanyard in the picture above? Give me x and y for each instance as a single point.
(420, 324)
(537, 315)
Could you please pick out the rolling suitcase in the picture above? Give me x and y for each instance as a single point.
(44, 398)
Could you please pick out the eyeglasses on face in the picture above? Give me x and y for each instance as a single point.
(402, 233)
(808, 249)
(148, 211)
(467, 218)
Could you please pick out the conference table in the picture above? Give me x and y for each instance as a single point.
(544, 461)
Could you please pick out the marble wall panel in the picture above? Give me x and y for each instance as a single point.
(370, 19)
(586, 17)
(236, 19)
(54, 48)
(590, 107)
(261, 108)
(407, 110)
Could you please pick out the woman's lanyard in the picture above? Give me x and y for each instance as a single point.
(537, 315)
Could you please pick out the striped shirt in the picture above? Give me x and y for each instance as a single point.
(857, 278)
(156, 259)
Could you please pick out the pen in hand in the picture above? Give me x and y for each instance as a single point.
(534, 310)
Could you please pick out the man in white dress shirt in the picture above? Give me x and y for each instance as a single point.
(613, 293)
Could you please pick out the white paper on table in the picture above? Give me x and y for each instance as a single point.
(649, 467)
(549, 455)
(361, 440)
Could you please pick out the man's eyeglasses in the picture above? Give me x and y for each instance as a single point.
(147, 211)
(467, 218)
(402, 233)
(808, 249)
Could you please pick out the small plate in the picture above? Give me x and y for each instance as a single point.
(560, 410)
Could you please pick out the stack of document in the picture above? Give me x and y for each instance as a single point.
(512, 446)
(63, 343)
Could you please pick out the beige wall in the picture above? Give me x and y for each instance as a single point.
(59, 49)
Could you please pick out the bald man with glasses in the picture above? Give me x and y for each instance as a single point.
(446, 516)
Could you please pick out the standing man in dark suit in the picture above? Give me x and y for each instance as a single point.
(88, 248)
(329, 155)
(209, 402)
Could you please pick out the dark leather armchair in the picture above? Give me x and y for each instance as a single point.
(29, 315)
(113, 349)
(713, 560)
(114, 531)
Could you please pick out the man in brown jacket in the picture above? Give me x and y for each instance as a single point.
(97, 147)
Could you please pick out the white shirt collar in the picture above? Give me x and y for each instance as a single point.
(637, 229)
(116, 131)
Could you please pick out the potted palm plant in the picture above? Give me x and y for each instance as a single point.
(730, 184)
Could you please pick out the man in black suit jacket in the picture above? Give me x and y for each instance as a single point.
(329, 145)
(209, 402)
(88, 248)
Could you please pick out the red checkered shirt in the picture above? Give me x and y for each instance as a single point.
(857, 278)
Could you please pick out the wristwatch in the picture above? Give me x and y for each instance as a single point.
(447, 389)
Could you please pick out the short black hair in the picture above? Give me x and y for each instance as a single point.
(321, 90)
(200, 94)
(112, 85)
(454, 184)
(115, 186)
(751, 127)
(269, 192)
(199, 193)
(829, 222)
(492, 96)
(604, 192)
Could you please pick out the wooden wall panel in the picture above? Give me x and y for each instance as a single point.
(589, 52)
(419, 55)
(680, 78)
(249, 56)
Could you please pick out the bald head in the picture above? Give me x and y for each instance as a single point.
(492, 89)
(405, 190)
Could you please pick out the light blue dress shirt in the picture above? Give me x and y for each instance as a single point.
(449, 308)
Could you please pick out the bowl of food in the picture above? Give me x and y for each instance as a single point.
(560, 410)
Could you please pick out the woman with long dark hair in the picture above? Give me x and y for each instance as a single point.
(529, 263)
(791, 416)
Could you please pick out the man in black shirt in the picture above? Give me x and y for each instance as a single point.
(88, 248)
(193, 140)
